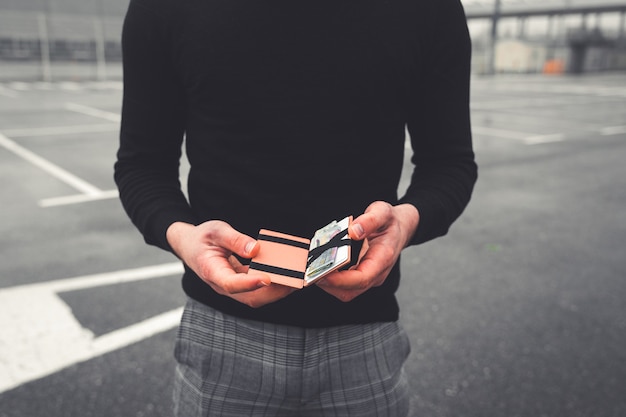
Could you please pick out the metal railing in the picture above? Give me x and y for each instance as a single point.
(54, 46)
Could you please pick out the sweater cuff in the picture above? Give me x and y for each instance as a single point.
(433, 220)
(161, 221)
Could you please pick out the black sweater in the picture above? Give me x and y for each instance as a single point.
(294, 114)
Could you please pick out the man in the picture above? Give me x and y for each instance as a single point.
(294, 114)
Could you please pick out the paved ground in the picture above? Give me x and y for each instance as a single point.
(519, 311)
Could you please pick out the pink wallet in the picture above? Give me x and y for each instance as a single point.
(298, 262)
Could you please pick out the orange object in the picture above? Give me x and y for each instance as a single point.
(553, 66)
(289, 260)
(283, 257)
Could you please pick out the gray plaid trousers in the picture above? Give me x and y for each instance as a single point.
(234, 367)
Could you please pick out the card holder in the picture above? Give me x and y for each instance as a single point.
(299, 262)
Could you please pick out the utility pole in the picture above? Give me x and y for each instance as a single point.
(44, 42)
(100, 42)
(491, 69)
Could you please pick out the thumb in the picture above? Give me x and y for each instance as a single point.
(356, 231)
(223, 235)
(374, 220)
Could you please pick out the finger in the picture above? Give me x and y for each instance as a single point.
(238, 266)
(347, 285)
(351, 279)
(374, 220)
(228, 276)
(364, 248)
(343, 295)
(263, 296)
(377, 262)
(240, 283)
(371, 271)
(221, 234)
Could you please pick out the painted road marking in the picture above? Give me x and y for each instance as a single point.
(12, 87)
(613, 130)
(532, 139)
(77, 199)
(19, 86)
(500, 133)
(40, 335)
(92, 111)
(527, 138)
(7, 92)
(60, 130)
(565, 89)
(88, 191)
(538, 139)
(47, 166)
(70, 86)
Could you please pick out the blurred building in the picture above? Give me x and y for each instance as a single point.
(518, 56)
(72, 28)
(60, 39)
(56, 39)
(549, 36)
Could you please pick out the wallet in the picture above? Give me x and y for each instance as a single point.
(299, 262)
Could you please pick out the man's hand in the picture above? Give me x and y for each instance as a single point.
(385, 230)
(209, 248)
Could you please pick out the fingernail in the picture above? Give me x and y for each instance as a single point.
(249, 247)
(357, 230)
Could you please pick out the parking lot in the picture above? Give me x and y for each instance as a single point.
(519, 311)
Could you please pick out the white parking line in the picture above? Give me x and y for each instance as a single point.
(613, 130)
(534, 139)
(40, 335)
(52, 169)
(12, 87)
(92, 111)
(88, 191)
(500, 133)
(538, 139)
(524, 137)
(19, 86)
(565, 89)
(7, 93)
(77, 199)
(60, 130)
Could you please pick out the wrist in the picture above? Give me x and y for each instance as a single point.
(174, 234)
(408, 217)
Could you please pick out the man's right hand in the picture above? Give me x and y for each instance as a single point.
(209, 248)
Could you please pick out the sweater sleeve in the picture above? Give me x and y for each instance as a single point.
(439, 125)
(152, 128)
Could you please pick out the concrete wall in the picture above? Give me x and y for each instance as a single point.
(516, 56)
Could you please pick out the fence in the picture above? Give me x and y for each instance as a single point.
(50, 47)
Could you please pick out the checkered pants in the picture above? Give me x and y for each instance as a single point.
(233, 367)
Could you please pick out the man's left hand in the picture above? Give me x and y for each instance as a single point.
(385, 230)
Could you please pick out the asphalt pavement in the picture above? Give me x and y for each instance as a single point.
(518, 311)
